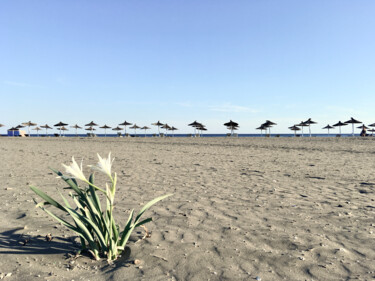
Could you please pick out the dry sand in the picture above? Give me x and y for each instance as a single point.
(243, 209)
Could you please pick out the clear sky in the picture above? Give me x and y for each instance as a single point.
(179, 61)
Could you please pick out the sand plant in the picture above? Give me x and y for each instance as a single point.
(96, 227)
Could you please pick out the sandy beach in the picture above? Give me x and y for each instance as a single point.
(242, 209)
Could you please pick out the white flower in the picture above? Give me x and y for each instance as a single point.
(75, 170)
(104, 165)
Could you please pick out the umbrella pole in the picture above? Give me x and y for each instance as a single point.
(309, 130)
(340, 130)
(352, 129)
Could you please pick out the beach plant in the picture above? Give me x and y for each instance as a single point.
(94, 224)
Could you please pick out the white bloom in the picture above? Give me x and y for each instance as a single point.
(104, 165)
(75, 170)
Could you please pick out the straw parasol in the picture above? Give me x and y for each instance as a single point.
(64, 129)
(268, 124)
(60, 124)
(125, 124)
(295, 129)
(372, 132)
(352, 121)
(37, 129)
(195, 124)
(339, 124)
(309, 122)
(91, 125)
(135, 127)
(362, 127)
(158, 124)
(46, 127)
(173, 129)
(29, 124)
(231, 125)
(105, 127)
(203, 128)
(145, 128)
(328, 127)
(76, 127)
(261, 128)
(302, 124)
(91, 129)
(117, 129)
(372, 125)
(13, 129)
(166, 127)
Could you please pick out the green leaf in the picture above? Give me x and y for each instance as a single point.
(149, 204)
(124, 234)
(47, 198)
(143, 222)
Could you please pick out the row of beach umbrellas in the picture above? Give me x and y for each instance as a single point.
(307, 123)
(61, 126)
(198, 127)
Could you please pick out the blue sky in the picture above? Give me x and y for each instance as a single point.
(180, 61)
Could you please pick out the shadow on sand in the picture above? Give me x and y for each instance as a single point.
(12, 242)
(15, 243)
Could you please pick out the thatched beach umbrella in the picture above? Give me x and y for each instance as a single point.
(158, 124)
(173, 129)
(135, 127)
(261, 128)
(339, 124)
(125, 124)
(352, 121)
(328, 127)
(91, 125)
(362, 127)
(46, 127)
(309, 122)
(195, 124)
(145, 128)
(295, 129)
(91, 129)
(372, 125)
(302, 124)
(13, 129)
(117, 129)
(105, 127)
(29, 124)
(231, 125)
(76, 127)
(37, 129)
(59, 125)
(268, 124)
(203, 128)
(372, 132)
(166, 127)
(64, 129)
